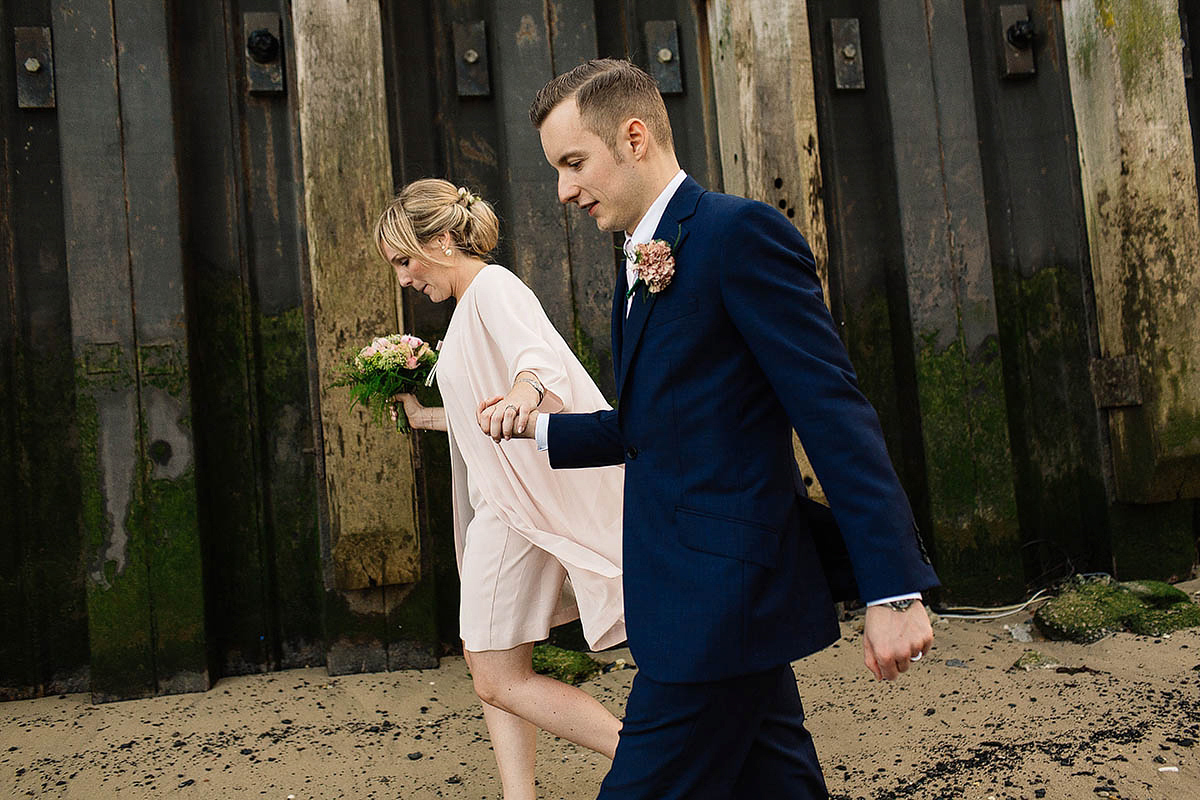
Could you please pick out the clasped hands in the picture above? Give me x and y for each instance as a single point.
(507, 416)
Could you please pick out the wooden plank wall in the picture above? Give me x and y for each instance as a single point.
(43, 635)
(142, 554)
(243, 245)
(1137, 169)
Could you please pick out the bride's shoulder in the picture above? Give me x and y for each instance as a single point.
(496, 279)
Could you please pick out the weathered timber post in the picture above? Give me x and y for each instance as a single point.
(951, 297)
(573, 282)
(145, 598)
(767, 123)
(371, 542)
(1139, 188)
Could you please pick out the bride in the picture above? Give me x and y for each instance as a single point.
(536, 547)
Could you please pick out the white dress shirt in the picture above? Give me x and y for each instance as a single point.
(642, 234)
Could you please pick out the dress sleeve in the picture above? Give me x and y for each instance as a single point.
(514, 319)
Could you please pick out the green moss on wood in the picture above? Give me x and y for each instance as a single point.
(1143, 31)
(164, 516)
(586, 353)
(568, 666)
(1088, 609)
(291, 479)
(969, 468)
(869, 343)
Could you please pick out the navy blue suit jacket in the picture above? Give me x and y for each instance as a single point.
(722, 574)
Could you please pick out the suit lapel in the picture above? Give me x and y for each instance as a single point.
(618, 319)
(672, 228)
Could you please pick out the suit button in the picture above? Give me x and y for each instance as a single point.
(631, 453)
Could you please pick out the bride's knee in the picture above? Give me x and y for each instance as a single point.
(490, 687)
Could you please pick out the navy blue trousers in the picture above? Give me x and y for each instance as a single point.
(737, 739)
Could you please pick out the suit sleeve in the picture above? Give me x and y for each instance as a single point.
(584, 440)
(771, 291)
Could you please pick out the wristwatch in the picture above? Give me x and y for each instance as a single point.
(901, 605)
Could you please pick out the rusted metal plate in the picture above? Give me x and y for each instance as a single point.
(35, 67)
(662, 54)
(848, 70)
(1116, 382)
(1017, 36)
(471, 59)
(264, 52)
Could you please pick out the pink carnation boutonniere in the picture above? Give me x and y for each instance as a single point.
(655, 266)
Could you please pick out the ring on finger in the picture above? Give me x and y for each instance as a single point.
(510, 405)
(916, 658)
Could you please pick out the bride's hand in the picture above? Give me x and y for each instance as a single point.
(508, 416)
(412, 409)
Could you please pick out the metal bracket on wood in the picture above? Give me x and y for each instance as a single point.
(847, 53)
(471, 59)
(1017, 37)
(35, 67)
(662, 52)
(1116, 382)
(264, 52)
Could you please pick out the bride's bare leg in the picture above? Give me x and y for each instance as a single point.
(505, 679)
(514, 741)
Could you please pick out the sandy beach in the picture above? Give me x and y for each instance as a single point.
(1119, 718)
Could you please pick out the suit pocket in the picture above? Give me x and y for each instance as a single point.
(664, 312)
(725, 536)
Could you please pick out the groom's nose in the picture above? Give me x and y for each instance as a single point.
(567, 190)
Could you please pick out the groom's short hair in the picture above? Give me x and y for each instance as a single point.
(608, 92)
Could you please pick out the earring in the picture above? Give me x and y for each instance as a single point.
(448, 251)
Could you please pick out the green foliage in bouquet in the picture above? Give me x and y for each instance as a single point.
(386, 367)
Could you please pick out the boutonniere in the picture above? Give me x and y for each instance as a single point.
(655, 266)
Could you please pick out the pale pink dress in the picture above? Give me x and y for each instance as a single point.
(536, 547)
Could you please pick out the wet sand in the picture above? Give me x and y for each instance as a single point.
(960, 724)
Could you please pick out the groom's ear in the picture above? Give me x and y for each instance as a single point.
(636, 137)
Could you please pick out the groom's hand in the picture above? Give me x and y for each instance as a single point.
(508, 417)
(893, 639)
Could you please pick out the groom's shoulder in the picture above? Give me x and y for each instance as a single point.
(721, 210)
(727, 205)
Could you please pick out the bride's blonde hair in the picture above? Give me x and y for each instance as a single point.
(426, 209)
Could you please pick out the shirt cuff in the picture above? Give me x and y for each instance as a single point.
(894, 598)
(541, 428)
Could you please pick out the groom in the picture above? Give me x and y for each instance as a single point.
(720, 351)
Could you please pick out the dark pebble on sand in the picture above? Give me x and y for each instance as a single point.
(414, 756)
(188, 782)
(246, 751)
(955, 662)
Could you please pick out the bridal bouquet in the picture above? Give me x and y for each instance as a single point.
(386, 367)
